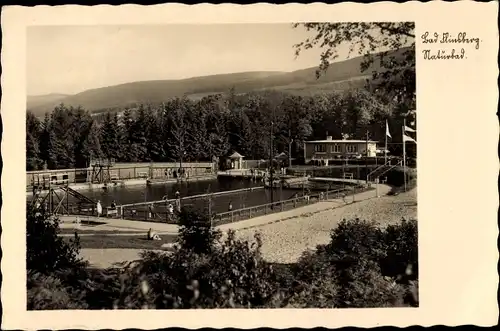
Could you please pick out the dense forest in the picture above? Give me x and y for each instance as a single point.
(200, 130)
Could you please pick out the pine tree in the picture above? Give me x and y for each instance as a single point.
(176, 122)
(109, 137)
(138, 135)
(91, 146)
(33, 134)
(153, 134)
(44, 139)
(60, 139)
(126, 135)
(33, 161)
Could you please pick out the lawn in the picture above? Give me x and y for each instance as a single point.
(123, 241)
(94, 231)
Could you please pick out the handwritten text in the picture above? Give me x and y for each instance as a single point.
(444, 40)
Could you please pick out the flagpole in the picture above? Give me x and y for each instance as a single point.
(404, 152)
(385, 151)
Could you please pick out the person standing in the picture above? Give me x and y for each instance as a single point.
(170, 212)
(99, 208)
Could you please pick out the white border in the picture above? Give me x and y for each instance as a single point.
(457, 102)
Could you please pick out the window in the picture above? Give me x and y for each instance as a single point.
(319, 148)
(335, 148)
(351, 148)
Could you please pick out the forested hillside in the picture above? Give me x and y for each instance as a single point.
(342, 76)
(212, 126)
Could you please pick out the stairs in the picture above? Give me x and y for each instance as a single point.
(382, 170)
(80, 197)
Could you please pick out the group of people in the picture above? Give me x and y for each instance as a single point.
(179, 173)
(170, 207)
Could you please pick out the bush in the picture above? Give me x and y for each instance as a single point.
(232, 275)
(46, 292)
(196, 232)
(355, 240)
(401, 246)
(46, 252)
(362, 266)
(55, 272)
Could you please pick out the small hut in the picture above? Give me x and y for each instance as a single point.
(282, 159)
(236, 160)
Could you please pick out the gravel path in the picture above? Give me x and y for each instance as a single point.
(285, 241)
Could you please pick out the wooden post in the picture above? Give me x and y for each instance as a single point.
(366, 158)
(67, 200)
(404, 153)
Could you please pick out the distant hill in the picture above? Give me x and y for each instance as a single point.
(340, 76)
(35, 101)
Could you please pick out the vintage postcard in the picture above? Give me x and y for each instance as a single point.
(249, 166)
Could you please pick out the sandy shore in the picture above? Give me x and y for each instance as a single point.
(285, 241)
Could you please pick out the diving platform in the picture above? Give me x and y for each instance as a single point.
(56, 200)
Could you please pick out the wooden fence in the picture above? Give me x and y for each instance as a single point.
(120, 171)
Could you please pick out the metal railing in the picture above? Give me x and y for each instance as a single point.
(280, 206)
(159, 210)
(385, 168)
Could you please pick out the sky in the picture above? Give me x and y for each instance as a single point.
(71, 59)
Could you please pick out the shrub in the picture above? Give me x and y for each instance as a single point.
(354, 240)
(232, 275)
(196, 232)
(46, 252)
(47, 292)
(363, 286)
(401, 245)
(54, 268)
(362, 266)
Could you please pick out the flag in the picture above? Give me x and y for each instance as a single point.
(406, 138)
(387, 133)
(408, 129)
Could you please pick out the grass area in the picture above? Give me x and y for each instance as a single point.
(94, 231)
(111, 241)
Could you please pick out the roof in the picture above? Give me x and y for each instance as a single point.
(281, 155)
(341, 141)
(236, 155)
